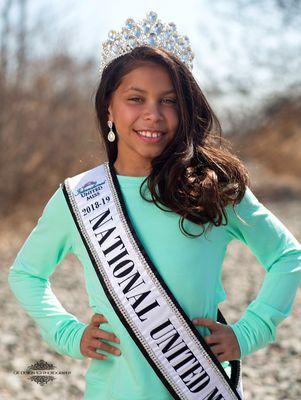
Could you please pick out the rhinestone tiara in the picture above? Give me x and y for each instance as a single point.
(148, 32)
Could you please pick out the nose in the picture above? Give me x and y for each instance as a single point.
(153, 112)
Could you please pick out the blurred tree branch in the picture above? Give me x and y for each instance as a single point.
(5, 32)
(258, 45)
(21, 43)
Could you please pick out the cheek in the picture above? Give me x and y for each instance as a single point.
(125, 120)
(172, 116)
(128, 116)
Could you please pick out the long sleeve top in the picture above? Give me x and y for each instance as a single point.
(191, 267)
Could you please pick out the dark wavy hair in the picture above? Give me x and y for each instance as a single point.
(196, 175)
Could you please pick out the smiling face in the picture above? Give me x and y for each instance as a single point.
(145, 113)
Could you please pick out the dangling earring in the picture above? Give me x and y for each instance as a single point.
(111, 134)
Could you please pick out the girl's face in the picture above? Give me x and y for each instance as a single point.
(145, 113)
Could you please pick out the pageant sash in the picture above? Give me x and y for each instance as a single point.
(142, 300)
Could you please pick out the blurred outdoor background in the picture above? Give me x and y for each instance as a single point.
(247, 62)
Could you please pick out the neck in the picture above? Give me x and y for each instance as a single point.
(132, 169)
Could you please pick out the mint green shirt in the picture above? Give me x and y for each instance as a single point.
(191, 268)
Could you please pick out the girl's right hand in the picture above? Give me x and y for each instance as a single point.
(91, 339)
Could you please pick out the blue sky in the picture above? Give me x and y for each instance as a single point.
(90, 20)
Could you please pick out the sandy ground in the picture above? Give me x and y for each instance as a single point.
(272, 373)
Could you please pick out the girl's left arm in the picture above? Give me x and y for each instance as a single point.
(279, 252)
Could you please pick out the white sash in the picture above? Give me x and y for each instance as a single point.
(143, 302)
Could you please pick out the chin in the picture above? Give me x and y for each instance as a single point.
(150, 156)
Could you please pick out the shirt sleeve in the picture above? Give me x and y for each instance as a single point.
(49, 242)
(279, 252)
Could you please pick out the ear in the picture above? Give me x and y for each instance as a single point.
(110, 113)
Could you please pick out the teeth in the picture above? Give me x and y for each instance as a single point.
(149, 134)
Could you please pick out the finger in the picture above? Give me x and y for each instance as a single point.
(106, 347)
(217, 349)
(212, 339)
(98, 319)
(101, 334)
(222, 357)
(209, 323)
(93, 354)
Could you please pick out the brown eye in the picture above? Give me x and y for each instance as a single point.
(170, 101)
(135, 98)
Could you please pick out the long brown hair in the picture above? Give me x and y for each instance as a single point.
(196, 175)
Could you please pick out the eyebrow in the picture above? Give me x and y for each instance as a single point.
(144, 91)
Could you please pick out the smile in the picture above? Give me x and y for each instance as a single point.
(152, 137)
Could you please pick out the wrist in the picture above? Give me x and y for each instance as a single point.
(77, 341)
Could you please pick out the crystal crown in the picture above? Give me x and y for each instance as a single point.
(148, 32)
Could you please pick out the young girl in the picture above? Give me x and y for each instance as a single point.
(151, 227)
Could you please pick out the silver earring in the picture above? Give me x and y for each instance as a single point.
(111, 134)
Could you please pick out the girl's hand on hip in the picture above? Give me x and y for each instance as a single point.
(222, 340)
(92, 336)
